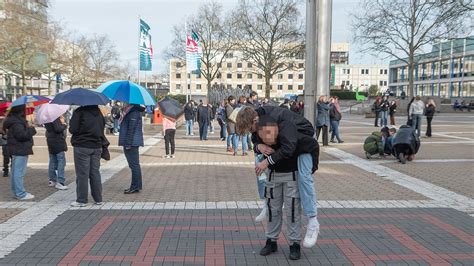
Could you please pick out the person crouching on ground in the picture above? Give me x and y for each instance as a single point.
(57, 147)
(20, 145)
(131, 138)
(282, 188)
(290, 124)
(87, 128)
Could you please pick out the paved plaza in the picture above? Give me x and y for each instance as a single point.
(199, 208)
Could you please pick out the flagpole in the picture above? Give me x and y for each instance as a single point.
(185, 49)
(139, 34)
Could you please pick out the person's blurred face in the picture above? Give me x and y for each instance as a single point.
(268, 134)
(233, 101)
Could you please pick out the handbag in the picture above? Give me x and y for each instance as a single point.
(105, 149)
(233, 115)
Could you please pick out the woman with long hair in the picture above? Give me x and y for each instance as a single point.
(429, 113)
(335, 117)
(322, 120)
(20, 145)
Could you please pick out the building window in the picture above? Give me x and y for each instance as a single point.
(346, 71)
(300, 76)
(260, 76)
(239, 65)
(229, 75)
(249, 65)
(381, 83)
(385, 71)
(300, 87)
(178, 64)
(280, 76)
(259, 87)
(178, 75)
(301, 65)
(290, 76)
(239, 75)
(385, 83)
(381, 71)
(280, 87)
(229, 55)
(290, 87)
(229, 65)
(198, 87)
(248, 86)
(249, 76)
(364, 71)
(178, 87)
(219, 75)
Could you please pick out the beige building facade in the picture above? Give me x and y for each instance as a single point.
(351, 77)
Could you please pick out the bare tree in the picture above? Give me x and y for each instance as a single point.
(102, 58)
(270, 35)
(177, 48)
(402, 28)
(56, 54)
(76, 69)
(216, 38)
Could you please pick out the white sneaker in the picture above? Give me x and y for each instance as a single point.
(28, 196)
(61, 186)
(51, 184)
(311, 233)
(192, 134)
(78, 204)
(263, 214)
(166, 157)
(116, 134)
(99, 203)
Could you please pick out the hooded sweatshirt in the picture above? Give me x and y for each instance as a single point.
(417, 108)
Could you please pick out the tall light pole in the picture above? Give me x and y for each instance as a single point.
(324, 47)
(310, 61)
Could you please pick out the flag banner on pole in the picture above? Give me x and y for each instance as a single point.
(193, 53)
(146, 50)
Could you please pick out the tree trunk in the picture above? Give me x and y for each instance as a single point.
(268, 87)
(23, 82)
(411, 77)
(208, 89)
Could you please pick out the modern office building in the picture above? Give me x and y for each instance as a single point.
(446, 72)
(238, 73)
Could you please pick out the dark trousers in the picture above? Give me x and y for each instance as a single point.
(223, 129)
(87, 166)
(377, 117)
(203, 130)
(428, 127)
(169, 140)
(392, 119)
(325, 134)
(6, 158)
(133, 160)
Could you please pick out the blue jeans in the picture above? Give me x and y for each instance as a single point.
(223, 133)
(57, 162)
(237, 138)
(189, 127)
(306, 185)
(384, 118)
(211, 126)
(416, 123)
(133, 159)
(260, 183)
(116, 125)
(230, 140)
(18, 172)
(335, 130)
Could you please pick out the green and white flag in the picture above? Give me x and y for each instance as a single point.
(146, 50)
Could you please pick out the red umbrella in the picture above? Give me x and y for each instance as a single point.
(4, 107)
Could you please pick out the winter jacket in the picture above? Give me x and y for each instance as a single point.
(417, 108)
(203, 114)
(19, 136)
(289, 124)
(221, 114)
(87, 127)
(56, 136)
(131, 128)
(406, 140)
(323, 115)
(188, 112)
(373, 144)
(393, 109)
(430, 111)
(305, 144)
(384, 106)
(334, 114)
(230, 125)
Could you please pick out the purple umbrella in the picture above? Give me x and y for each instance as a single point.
(49, 112)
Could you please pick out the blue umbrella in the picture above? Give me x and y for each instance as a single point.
(34, 100)
(126, 91)
(80, 96)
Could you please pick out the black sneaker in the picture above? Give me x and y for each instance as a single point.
(5, 174)
(295, 251)
(269, 248)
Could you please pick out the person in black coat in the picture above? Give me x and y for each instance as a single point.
(87, 128)
(20, 146)
(189, 117)
(57, 147)
(204, 117)
(429, 113)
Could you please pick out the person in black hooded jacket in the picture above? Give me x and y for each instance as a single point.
(56, 140)
(87, 128)
(20, 145)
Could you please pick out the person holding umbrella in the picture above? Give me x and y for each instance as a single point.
(20, 145)
(87, 128)
(131, 138)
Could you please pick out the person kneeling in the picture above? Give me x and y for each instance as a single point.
(281, 188)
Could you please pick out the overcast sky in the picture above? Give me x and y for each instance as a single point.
(119, 19)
